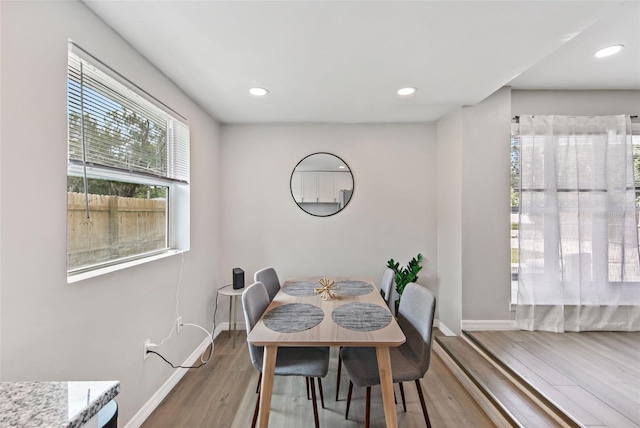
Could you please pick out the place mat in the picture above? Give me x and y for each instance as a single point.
(353, 288)
(361, 316)
(301, 288)
(293, 317)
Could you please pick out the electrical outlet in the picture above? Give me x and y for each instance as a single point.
(147, 345)
(179, 324)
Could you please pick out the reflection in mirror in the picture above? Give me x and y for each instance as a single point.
(322, 184)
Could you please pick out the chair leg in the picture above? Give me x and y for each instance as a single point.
(306, 379)
(338, 376)
(346, 416)
(424, 405)
(259, 382)
(255, 412)
(315, 404)
(404, 403)
(321, 392)
(368, 408)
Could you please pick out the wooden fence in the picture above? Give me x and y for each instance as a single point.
(118, 227)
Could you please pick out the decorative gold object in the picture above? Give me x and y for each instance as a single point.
(326, 291)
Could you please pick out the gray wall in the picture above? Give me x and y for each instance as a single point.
(391, 214)
(473, 212)
(450, 220)
(575, 103)
(93, 329)
(486, 274)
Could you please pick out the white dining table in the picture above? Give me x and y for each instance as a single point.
(328, 332)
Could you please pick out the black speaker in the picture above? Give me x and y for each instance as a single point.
(238, 278)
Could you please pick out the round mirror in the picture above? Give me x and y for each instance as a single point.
(322, 184)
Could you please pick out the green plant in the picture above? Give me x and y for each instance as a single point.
(407, 274)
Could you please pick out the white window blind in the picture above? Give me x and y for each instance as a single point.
(127, 172)
(113, 127)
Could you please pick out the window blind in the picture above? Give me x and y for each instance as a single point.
(115, 127)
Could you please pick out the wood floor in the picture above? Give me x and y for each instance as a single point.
(222, 394)
(592, 376)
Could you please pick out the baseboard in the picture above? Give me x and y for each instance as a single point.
(155, 400)
(474, 325)
(224, 326)
(443, 328)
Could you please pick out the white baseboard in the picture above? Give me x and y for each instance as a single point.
(472, 325)
(155, 400)
(224, 326)
(443, 328)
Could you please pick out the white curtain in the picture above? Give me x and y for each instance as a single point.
(579, 265)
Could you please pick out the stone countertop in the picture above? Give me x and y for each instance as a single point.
(53, 404)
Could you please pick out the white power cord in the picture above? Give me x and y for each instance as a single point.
(173, 329)
(210, 338)
(181, 324)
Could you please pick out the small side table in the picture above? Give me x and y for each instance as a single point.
(233, 294)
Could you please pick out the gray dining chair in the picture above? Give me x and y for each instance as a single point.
(310, 362)
(386, 285)
(409, 361)
(269, 278)
(386, 290)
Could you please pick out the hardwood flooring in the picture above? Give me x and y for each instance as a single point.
(592, 376)
(221, 394)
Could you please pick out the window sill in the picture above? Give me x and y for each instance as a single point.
(108, 269)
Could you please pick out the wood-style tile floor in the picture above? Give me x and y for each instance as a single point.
(222, 394)
(592, 376)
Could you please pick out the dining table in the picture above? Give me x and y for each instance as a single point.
(357, 315)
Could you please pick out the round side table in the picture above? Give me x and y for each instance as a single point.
(233, 294)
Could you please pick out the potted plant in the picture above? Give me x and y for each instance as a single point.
(405, 275)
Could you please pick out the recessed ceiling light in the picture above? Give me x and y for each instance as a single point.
(258, 92)
(406, 91)
(610, 50)
(342, 167)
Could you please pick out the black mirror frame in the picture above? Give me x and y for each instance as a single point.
(291, 184)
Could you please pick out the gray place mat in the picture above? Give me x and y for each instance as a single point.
(353, 288)
(301, 288)
(361, 316)
(293, 317)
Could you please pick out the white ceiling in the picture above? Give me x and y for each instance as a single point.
(342, 61)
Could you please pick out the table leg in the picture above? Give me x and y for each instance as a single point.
(386, 385)
(268, 369)
(230, 306)
(235, 319)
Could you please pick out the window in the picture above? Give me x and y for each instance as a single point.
(514, 209)
(515, 189)
(128, 170)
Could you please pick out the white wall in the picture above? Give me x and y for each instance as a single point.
(486, 268)
(392, 213)
(575, 103)
(473, 212)
(92, 330)
(450, 221)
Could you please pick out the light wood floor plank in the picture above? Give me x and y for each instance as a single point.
(596, 378)
(537, 372)
(609, 416)
(600, 371)
(222, 395)
(522, 360)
